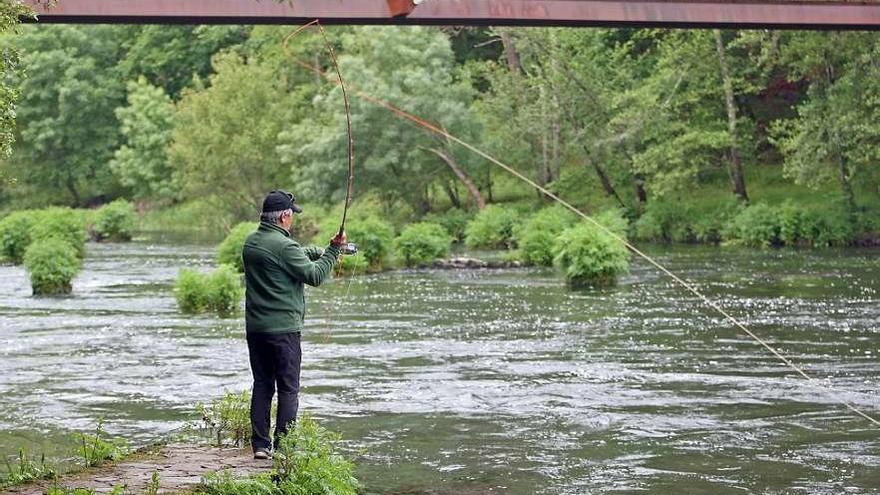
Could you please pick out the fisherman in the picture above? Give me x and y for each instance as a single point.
(275, 269)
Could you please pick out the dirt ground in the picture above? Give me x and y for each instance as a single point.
(180, 468)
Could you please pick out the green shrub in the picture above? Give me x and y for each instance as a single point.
(113, 222)
(27, 469)
(827, 227)
(219, 292)
(664, 222)
(96, 448)
(590, 257)
(229, 251)
(535, 238)
(66, 224)
(757, 226)
(52, 265)
(228, 418)
(15, 234)
(492, 227)
(454, 220)
(375, 240)
(307, 462)
(421, 243)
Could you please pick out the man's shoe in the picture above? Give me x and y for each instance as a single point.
(262, 455)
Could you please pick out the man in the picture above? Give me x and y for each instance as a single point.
(275, 268)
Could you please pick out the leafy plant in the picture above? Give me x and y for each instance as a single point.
(152, 487)
(219, 291)
(51, 264)
(114, 221)
(375, 240)
(97, 448)
(229, 251)
(757, 226)
(224, 483)
(307, 462)
(15, 234)
(228, 418)
(492, 227)
(454, 220)
(27, 469)
(66, 224)
(590, 257)
(420, 243)
(535, 238)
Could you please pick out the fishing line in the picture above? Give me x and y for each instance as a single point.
(692, 289)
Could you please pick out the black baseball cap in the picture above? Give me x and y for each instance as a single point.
(280, 200)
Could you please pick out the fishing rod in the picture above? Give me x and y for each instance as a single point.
(837, 394)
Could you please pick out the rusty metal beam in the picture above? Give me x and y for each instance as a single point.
(693, 13)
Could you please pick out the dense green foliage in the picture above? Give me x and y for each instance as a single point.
(306, 462)
(229, 251)
(421, 243)
(375, 241)
(535, 238)
(51, 264)
(114, 221)
(219, 292)
(493, 227)
(589, 256)
(681, 129)
(15, 234)
(228, 418)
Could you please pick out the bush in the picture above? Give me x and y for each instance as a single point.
(757, 226)
(454, 220)
(590, 257)
(15, 234)
(421, 243)
(95, 449)
(113, 222)
(51, 264)
(65, 224)
(228, 418)
(229, 251)
(375, 240)
(492, 227)
(535, 238)
(307, 462)
(219, 292)
(664, 222)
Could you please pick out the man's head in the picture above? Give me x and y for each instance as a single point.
(278, 209)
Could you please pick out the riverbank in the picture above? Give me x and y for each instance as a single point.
(172, 468)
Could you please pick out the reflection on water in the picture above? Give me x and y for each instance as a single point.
(475, 382)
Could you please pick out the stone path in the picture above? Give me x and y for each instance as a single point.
(180, 469)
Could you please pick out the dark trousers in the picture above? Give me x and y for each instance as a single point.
(275, 359)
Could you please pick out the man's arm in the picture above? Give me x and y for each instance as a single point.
(298, 263)
(313, 252)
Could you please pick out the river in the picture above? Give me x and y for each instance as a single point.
(489, 381)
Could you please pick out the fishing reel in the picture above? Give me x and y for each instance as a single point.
(348, 249)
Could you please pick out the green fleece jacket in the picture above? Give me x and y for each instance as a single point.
(275, 269)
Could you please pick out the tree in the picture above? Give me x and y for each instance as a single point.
(67, 128)
(10, 70)
(836, 135)
(411, 68)
(141, 164)
(224, 139)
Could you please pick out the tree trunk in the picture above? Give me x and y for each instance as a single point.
(462, 176)
(510, 53)
(453, 194)
(607, 186)
(641, 193)
(737, 178)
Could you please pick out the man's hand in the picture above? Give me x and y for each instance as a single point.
(339, 239)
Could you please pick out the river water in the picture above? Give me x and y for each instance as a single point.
(492, 381)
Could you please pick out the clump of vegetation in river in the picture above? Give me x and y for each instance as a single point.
(52, 265)
(15, 235)
(219, 292)
(96, 448)
(228, 418)
(535, 238)
(590, 256)
(421, 243)
(26, 469)
(229, 251)
(114, 221)
(492, 227)
(306, 462)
